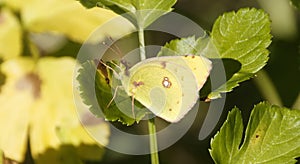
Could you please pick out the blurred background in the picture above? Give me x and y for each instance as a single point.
(283, 69)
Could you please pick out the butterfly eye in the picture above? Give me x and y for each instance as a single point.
(166, 82)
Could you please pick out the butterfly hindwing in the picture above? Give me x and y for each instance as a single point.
(166, 87)
(199, 65)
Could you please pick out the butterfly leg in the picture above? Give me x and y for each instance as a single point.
(114, 96)
(132, 106)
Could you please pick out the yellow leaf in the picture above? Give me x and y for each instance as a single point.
(16, 103)
(14, 4)
(10, 35)
(37, 102)
(70, 18)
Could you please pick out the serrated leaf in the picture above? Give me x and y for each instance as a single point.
(140, 12)
(183, 46)
(242, 36)
(91, 82)
(65, 15)
(37, 107)
(272, 136)
(10, 35)
(296, 3)
(226, 142)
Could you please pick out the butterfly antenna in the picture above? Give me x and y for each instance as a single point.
(116, 47)
(117, 51)
(107, 66)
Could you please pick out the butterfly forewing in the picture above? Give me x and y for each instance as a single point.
(199, 65)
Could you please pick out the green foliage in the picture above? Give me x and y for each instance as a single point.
(140, 12)
(272, 136)
(95, 81)
(183, 46)
(296, 3)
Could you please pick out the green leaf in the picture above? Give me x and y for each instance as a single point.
(226, 142)
(183, 46)
(243, 36)
(296, 3)
(92, 81)
(89, 3)
(140, 12)
(272, 136)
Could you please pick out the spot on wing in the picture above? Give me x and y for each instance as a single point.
(177, 102)
(170, 109)
(137, 84)
(164, 64)
(182, 78)
(166, 82)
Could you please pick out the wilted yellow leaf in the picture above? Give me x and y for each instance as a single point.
(10, 35)
(37, 102)
(14, 4)
(70, 18)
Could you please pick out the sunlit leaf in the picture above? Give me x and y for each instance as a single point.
(183, 46)
(272, 136)
(140, 12)
(242, 36)
(70, 18)
(14, 4)
(13, 124)
(10, 35)
(37, 102)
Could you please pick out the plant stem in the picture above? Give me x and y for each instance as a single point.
(153, 141)
(267, 88)
(151, 122)
(142, 43)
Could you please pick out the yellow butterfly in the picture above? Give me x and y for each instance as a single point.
(168, 86)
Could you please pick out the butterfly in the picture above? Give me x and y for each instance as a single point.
(168, 86)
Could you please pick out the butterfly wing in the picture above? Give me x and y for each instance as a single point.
(168, 89)
(199, 65)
